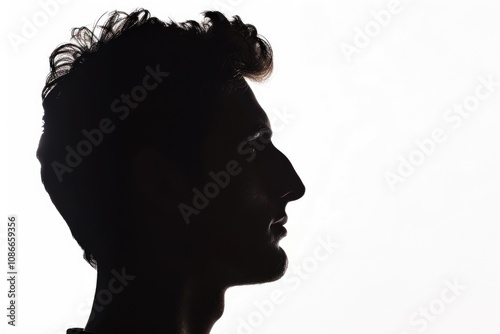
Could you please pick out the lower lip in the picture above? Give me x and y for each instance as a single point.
(278, 230)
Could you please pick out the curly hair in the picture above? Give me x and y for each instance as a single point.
(247, 54)
(86, 75)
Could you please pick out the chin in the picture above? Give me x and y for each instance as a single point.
(269, 267)
(276, 271)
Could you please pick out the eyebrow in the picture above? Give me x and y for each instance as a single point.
(260, 130)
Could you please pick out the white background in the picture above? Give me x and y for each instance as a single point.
(351, 121)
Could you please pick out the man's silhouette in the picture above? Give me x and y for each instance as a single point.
(158, 156)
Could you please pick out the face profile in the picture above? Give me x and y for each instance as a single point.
(177, 192)
(245, 214)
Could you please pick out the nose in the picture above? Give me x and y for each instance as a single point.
(291, 187)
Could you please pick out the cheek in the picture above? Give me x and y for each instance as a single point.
(240, 207)
(246, 199)
(250, 190)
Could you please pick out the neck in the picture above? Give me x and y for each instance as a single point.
(130, 301)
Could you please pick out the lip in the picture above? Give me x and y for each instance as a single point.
(277, 228)
(278, 231)
(282, 221)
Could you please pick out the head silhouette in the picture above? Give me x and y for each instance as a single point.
(158, 156)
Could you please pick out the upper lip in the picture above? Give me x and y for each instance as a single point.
(281, 221)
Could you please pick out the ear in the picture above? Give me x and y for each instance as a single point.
(158, 180)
